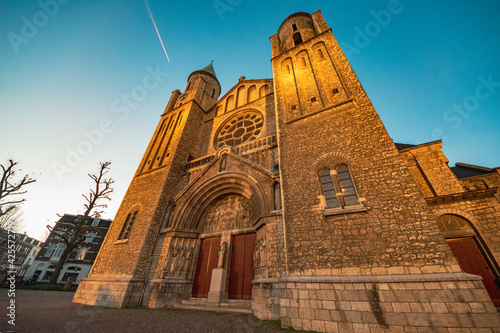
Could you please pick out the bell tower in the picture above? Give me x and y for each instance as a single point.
(127, 252)
(341, 174)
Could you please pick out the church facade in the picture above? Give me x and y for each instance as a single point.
(288, 195)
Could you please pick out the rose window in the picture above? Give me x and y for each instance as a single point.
(241, 128)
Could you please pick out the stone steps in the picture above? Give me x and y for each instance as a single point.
(201, 304)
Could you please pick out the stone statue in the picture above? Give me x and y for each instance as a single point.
(222, 254)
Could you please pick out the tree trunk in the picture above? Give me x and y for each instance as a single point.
(60, 265)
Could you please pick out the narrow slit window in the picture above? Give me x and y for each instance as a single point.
(297, 38)
(321, 55)
(127, 226)
(347, 186)
(294, 27)
(213, 93)
(328, 189)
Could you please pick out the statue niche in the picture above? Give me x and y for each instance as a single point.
(228, 213)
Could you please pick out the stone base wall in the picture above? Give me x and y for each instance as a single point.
(165, 293)
(266, 296)
(452, 302)
(109, 292)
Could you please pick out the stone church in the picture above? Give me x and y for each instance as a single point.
(287, 198)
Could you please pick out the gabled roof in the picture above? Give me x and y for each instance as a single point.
(400, 146)
(462, 170)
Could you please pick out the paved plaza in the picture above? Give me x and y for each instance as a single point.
(40, 311)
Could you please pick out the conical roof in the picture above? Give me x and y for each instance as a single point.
(209, 69)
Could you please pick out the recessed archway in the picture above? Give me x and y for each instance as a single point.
(470, 251)
(190, 214)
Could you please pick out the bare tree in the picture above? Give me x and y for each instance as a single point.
(10, 189)
(12, 219)
(75, 236)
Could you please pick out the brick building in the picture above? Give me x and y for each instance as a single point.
(25, 249)
(79, 263)
(287, 195)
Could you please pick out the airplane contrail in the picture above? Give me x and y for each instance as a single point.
(157, 32)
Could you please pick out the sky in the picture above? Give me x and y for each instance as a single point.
(83, 82)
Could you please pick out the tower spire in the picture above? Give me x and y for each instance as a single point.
(209, 69)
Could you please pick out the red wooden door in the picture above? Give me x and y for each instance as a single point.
(207, 261)
(241, 271)
(472, 261)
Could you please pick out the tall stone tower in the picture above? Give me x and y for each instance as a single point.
(117, 277)
(355, 222)
(286, 198)
(350, 203)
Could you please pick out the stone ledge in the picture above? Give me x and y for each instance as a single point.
(266, 280)
(344, 210)
(171, 281)
(439, 277)
(106, 279)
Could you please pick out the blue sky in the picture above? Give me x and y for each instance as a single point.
(72, 69)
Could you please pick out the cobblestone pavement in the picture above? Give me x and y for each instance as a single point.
(40, 311)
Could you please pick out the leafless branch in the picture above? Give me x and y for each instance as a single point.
(10, 187)
(103, 188)
(58, 233)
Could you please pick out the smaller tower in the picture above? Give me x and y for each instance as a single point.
(127, 252)
(202, 87)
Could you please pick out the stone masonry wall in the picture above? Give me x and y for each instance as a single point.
(166, 293)
(109, 292)
(266, 298)
(417, 303)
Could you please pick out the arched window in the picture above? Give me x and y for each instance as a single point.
(347, 186)
(328, 188)
(230, 103)
(297, 38)
(127, 226)
(338, 190)
(252, 94)
(262, 90)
